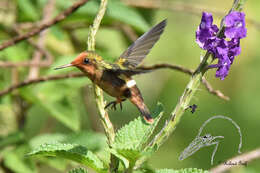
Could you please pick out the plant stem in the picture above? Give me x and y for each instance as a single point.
(190, 90)
(108, 126)
(183, 103)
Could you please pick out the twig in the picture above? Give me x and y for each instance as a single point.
(242, 159)
(43, 26)
(153, 67)
(45, 63)
(38, 80)
(187, 71)
(212, 91)
(47, 13)
(7, 64)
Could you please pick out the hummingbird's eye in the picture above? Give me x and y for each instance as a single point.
(86, 61)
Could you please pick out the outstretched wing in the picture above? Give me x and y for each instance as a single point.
(141, 47)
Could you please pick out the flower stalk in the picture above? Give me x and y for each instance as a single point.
(190, 89)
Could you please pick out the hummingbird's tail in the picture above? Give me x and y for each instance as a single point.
(146, 114)
(137, 100)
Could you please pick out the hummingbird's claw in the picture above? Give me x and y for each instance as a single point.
(109, 104)
(112, 104)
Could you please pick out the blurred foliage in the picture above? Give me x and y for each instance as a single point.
(63, 111)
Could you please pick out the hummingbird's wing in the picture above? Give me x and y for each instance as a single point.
(141, 47)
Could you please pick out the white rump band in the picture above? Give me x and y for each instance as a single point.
(131, 83)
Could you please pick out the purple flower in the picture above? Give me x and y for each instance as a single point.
(235, 25)
(206, 32)
(223, 67)
(225, 51)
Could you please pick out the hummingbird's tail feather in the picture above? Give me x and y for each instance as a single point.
(146, 114)
(137, 100)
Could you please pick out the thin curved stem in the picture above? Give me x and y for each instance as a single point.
(44, 25)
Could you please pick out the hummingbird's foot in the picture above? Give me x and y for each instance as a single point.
(114, 103)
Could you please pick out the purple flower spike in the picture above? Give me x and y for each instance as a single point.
(235, 25)
(222, 49)
(206, 32)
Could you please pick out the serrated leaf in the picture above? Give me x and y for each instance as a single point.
(130, 139)
(186, 170)
(120, 157)
(135, 134)
(78, 170)
(76, 153)
(53, 138)
(92, 140)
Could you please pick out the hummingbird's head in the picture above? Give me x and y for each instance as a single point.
(86, 61)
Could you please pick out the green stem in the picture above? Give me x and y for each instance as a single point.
(108, 126)
(183, 103)
(190, 90)
(103, 115)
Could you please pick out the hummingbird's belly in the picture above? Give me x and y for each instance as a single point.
(112, 85)
(112, 89)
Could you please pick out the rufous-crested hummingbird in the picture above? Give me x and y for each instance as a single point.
(116, 78)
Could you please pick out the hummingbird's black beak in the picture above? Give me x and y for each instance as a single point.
(63, 66)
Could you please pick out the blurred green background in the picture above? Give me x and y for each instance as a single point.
(65, 110)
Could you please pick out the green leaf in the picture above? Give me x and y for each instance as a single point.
(37, 141)
(62, 105)
(135, 134)
(130, 139)
(119, 11)
(78, 170)
(18, 164)
(76, 153)
(17, 53)
(11, 139)
(8, 121)
(116, 10)
(186, 170)
(27, 10)
(92, 140)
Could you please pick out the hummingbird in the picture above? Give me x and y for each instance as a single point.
(116, 78)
